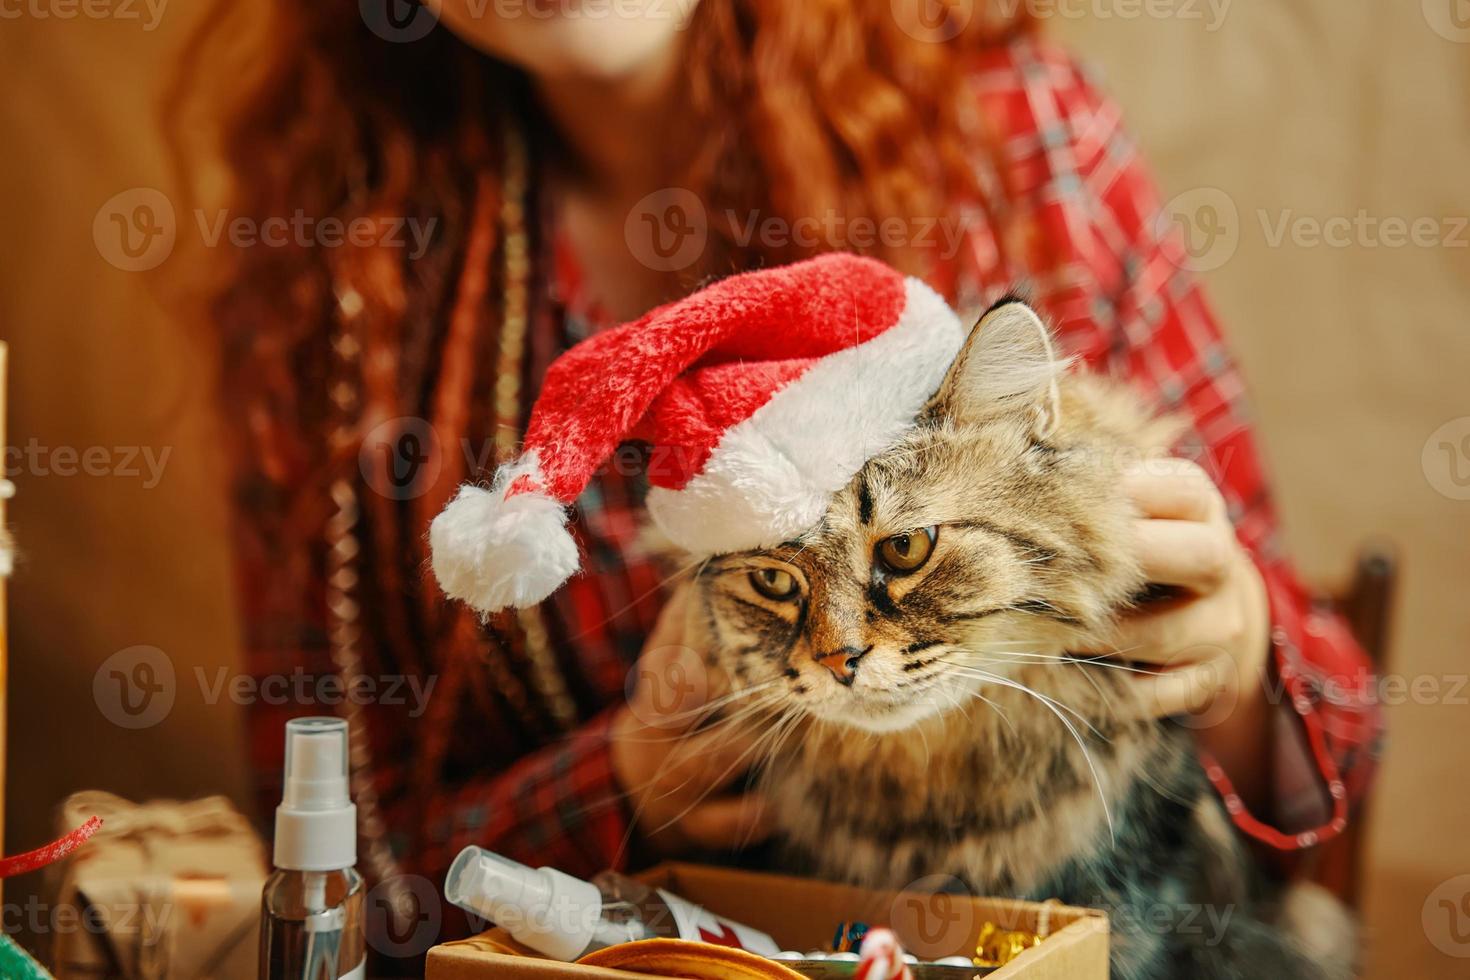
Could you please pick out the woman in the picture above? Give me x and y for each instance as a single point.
(565, 160)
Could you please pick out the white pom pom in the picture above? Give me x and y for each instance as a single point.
(492, 551)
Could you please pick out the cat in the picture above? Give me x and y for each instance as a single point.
(907, 658)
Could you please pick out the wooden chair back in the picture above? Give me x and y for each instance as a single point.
(1367, 604)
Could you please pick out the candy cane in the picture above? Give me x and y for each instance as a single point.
(881, 958)
(54, 851)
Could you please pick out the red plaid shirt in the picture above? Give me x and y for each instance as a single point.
(1082, 223)
(1080, 220)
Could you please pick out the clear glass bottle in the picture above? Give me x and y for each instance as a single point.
(312, 905)
(311, 925)
(566, 918)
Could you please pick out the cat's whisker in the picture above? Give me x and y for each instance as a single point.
(994, 707)
(801, 551)
(954, 698)
(1053, 706)
(1049, 660)
(974, 671)
(680, 730)
(714, 704)
(683, 751)
(928, 759)
(734, 565)
(794, 719)
(955, 701)
(719, 780)
(785, 724)
(1087, 675)
(694, 567)
(1104, 660)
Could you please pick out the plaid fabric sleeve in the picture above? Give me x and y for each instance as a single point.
(1108, 265)
(560, 806)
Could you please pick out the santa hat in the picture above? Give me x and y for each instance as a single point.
(760, 397)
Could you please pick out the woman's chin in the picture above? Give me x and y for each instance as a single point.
(569, 42)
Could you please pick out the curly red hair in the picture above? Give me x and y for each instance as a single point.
(796, 110)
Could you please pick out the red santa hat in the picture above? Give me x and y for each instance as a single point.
(760, 396)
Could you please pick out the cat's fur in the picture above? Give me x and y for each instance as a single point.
(922, 767)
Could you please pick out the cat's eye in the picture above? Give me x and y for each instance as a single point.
(775, 583)
(907, 552)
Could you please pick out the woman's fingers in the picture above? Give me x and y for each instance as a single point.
(673, 683)
(672, 619)
(1183, 538)
(678, 774)
(705, 763)
(727, 822)
(1188, 554)
(1204, 693)
(671, 691)
(1169, 634)
(684, 803)
(1199, 652)
(1175, 489)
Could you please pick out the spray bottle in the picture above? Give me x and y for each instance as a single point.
(311, 908)
(566, 918)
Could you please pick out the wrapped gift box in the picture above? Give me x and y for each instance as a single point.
(801, 915)
(165, 889)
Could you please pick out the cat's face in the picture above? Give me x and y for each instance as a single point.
(992, 535)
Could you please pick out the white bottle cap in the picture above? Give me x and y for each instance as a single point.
(316, 823)
(551, 912)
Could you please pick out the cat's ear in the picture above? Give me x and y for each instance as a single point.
(1008, 363)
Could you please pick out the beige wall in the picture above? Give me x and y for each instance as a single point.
(1356, 355)
(108, 562)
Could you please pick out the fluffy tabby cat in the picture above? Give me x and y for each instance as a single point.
(908, 659)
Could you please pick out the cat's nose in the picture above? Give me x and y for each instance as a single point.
(843, 663)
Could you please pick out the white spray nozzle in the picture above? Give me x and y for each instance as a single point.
(316, 764)
(551, 912)
(316, 823)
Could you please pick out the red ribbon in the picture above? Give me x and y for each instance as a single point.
(54, 851)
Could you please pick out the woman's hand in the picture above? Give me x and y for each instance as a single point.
(677, 779)
(1207, 645)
